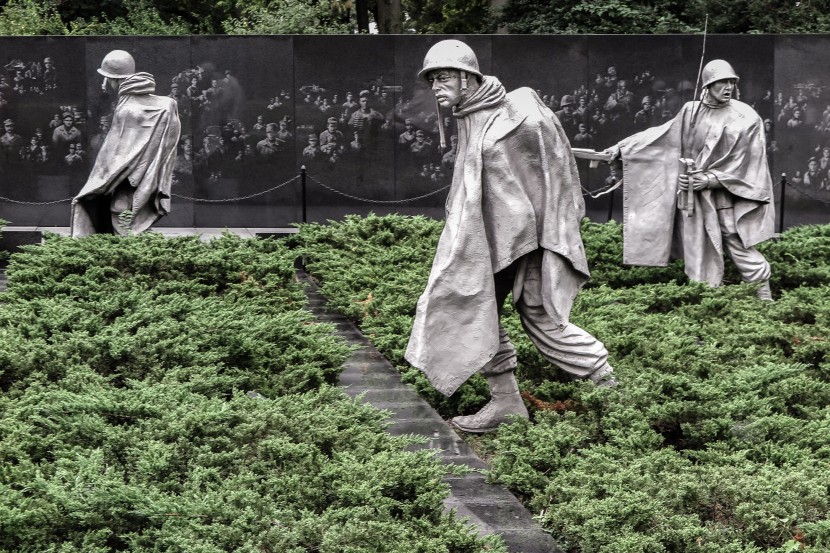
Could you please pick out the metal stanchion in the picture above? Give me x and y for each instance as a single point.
(303, 187)
(783, 195)
(610, 206)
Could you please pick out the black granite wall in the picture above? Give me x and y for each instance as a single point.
(256, 109)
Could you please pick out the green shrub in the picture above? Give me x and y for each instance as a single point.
(717, 439)
(172, 395)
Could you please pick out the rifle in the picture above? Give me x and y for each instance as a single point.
(687, 204)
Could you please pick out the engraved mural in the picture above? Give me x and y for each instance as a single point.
(350, 108)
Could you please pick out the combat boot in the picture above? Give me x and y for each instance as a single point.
(603, 377)
(505, 401)
(764, 292)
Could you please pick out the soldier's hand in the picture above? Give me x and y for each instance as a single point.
(698, 181)
(613, 152)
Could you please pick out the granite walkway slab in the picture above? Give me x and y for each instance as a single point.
(491, 507)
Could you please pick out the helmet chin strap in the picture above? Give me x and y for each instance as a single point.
(464, 83)
(441, 134)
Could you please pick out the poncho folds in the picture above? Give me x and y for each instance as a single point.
(135, 164)
(729, 142)
(515, 189)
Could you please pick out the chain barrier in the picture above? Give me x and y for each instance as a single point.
(3, 198)
(585, 192)
(806, 194)
(367, 200)
(238, 198)
(602, 191)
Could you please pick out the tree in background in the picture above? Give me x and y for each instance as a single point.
(665, 16)
(292, 17)
(43, 17)
(586, 16)
(449, 16)
(30, 17)
(176, 17)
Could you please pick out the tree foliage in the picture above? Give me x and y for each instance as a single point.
(32, 17)
(131, 17)
(290, 17)
(448, 16)
(590, 16)
(665, 16)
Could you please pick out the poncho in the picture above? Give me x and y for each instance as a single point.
(729, 142)
(135, 164)
(515, 189)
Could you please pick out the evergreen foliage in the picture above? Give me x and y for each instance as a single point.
(171, 395)
(132, 17)
(163, 17)
(717, 439)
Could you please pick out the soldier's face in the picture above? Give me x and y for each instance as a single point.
(721, 91)
(446, 84)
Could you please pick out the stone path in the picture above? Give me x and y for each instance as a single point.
(490, 507)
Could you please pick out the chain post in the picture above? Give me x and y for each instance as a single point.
(783, 195)
(303, 187)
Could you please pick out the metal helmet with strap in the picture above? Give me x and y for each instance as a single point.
(717, 70)
(118, 64)
(450, 54)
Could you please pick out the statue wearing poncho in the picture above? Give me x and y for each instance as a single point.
(733, 214)
(134, 169)
(512, 225)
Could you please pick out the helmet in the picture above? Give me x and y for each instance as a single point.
(118, 64)
(717, 70)
(567, 100)
(450, 54)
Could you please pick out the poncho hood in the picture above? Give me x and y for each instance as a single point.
(139, 83)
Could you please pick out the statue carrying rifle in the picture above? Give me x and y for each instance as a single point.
(708, 165)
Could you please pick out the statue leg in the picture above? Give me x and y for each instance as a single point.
(751, 264)
(571, 348)
(121, 204)
(505, 399)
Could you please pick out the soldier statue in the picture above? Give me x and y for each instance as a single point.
(512, 225)
(128, 189)
(701, 182)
